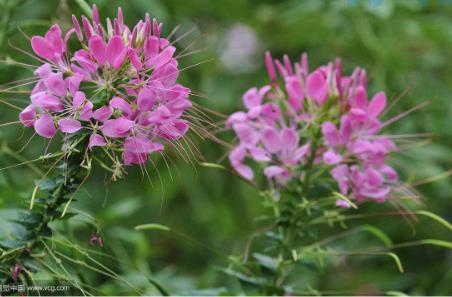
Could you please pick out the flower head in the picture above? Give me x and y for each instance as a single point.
(119, 87)
(307, 120)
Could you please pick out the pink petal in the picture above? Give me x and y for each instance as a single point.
(28, 116)
(237, 155)
(46, 101)
(340, 174)
(244, 171)
(374, 178)
(302, 151)
(271, 112)
(164, 57)
(133, 158)
(56, 84)
(45, 127)
(259, 154)
(389, 172)
(331, 134)
(236, 117)
(73, 82)
(119, 127)
(166, 74)
(146, 99)
(69, 125)
(151, 47)
(42, 47)
(271, 140)
(87, 112)
(43, 71)
(140, 145)
(134, 59)
(102, 114)
(289, 138)
(160, 114)
(343, 203)
(346, 128)
(331, 158)
(272, 171)
(98, 49)
(361, 98)
(116, 51)
(55, 39)
(246, 133)
(254, 112)
(77, 28)
(78, 100)
(358, 114)
(121, 104)
(295, 92)
(95, 14)
(376, 105)
(85, 61)
(251, 98)
(96, 140)
(270, 66)
(174, 129)
(317, 87)
(87, 27)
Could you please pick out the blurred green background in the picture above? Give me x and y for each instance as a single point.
(404, 45)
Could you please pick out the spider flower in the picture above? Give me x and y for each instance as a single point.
(118, 85)
(314, 120)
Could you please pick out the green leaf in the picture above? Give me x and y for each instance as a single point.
(12, 244)
(152, 227)
(212, 165)
(266, 261)
(244, 278)
(46, 184)
(396, 260)
(436, 242)
(378, 233)
(159, 287)
(435, 217)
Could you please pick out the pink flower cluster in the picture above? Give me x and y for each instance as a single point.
(313, 120)
(119, 87)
